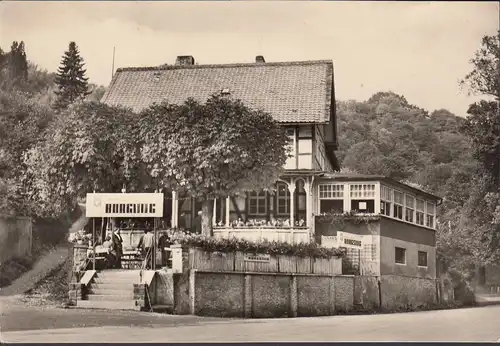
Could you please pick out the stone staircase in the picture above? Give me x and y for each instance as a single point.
(113, 290)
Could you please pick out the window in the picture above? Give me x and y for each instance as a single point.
(410, 208)
(305, 132)
(331, 198)
(385, 200)
(282, 199)
(257, 203)
(422, 259)
(362, 197)
(420, 212)
(291, 163)
(331, 191)
(398, 205)
(362, 191)
(430, 215)
(400, 255)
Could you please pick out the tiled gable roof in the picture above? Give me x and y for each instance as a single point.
(294, 92)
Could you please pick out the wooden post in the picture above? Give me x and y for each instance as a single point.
(307, 187)
(93, 242)
(228, 206)
(291, 189)
(175, 211)
(214, 216)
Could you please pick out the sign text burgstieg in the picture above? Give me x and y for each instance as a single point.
(352, 242)
(130, 208)
(124, 205)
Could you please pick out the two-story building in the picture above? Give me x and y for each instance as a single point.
(301, 96)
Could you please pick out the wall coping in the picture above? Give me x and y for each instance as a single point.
(267, 273)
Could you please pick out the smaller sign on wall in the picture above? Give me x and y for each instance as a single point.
(329, 241)
(257, 258)
(350, 240)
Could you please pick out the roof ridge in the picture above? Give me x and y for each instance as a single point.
(233, 65)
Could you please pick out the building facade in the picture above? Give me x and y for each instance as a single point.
(301, 96)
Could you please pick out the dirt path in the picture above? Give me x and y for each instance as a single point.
(44, 265)
(40, 270)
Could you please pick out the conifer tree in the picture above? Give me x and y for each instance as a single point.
(70, 78)
(14, 65)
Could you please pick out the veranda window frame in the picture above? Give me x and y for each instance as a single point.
(285, 198)
(400, 207)
(258, 197)
(386, 200)
(409, 208)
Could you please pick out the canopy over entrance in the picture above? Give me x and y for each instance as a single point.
(125, 205)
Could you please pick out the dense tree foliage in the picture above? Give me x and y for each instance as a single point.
(212, 149)
(207, 149)
(70, 79)
(482, 212)
(26, 99)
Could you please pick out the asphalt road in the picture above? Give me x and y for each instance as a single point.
(29, 324)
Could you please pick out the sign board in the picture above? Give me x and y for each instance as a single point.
(329, 241)
(124, 205)
(257, 258)
(350, 240)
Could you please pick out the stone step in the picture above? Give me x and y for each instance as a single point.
(120, 272)
(112, 291)
(108, 297)
(107, 304)
(118, 280)
(127, 286)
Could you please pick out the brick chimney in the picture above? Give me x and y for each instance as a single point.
(184, 60)
(259, 59)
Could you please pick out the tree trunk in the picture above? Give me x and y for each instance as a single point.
(207, 208)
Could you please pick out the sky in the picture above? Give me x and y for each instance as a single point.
(418, 49)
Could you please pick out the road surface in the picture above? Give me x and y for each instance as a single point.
(29, 324)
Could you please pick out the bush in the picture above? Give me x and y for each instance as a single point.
(12, 269)
(464, 294)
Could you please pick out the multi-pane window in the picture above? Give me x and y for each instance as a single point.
(400, 255)
(331, 198)
(331, 191)
(282, 199)
(430, 215)
(398, 205)
(385, 200)
(257, 203)
(362, 197)
(420, 212)
(410, 208)
(362, 191)
(422, 259)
